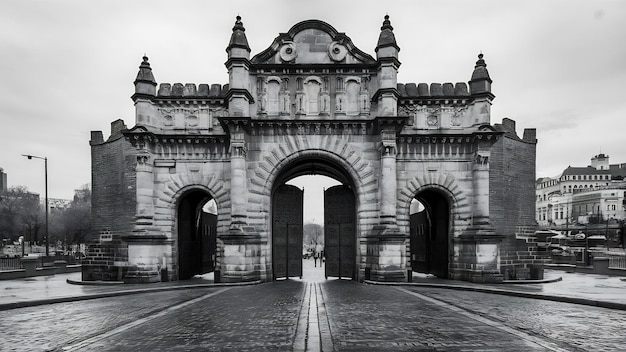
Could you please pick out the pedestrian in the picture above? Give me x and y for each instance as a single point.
(315, 256)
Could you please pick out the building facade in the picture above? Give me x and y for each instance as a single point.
(312, 103)
(583, 195)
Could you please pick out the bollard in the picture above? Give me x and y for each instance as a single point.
(30, 265)
(164, 276)
(216, 276)
(60, 266)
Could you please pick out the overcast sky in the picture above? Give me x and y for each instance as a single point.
(67, 67)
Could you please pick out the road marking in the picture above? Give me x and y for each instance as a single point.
(313, 332)
(94, 339)
(496, 324)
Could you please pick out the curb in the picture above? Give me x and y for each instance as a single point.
(497, 291)
(93, 283)
(40, 302)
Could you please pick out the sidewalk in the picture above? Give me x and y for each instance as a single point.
(597, 290)
(59, 288)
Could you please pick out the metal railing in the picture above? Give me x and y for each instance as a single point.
(617, 262)
(15, 263)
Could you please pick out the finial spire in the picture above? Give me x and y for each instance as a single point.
(480, 62)
(238, 38)
(386, 37)
(480, 82)
(386, 23)
(145, 72)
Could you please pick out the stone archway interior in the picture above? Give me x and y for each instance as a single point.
(298, 183)
(197, 229)
(429, 233)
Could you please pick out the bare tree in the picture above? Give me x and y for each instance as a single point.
(20, 213)
(77, 218)
(313, 235)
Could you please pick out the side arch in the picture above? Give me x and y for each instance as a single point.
(169, 194)
(460, 205)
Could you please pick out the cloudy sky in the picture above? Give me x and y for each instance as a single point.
(67, 66)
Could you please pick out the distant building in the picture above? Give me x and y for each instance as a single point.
(56, 203)
(3, 181)
(583, 195)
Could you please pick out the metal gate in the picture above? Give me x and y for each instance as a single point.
(339, 232)
(287, 231)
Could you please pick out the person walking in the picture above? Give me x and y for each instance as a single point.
(316, 255)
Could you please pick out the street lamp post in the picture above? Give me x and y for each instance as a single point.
(45, 159)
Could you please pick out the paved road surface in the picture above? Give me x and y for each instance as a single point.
(312, 314)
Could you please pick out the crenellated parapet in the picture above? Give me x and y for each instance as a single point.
(448, 106)
(213, 92)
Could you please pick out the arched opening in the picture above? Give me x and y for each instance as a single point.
(197, 229)
(429, 231)
(329, 196)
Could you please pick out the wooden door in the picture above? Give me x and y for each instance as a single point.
(287, 231)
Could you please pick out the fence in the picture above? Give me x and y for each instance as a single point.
(617, 262)
(15, 263)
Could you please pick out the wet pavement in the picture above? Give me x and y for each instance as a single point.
(312, 314)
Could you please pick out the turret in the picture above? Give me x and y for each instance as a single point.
(238, 65)
(386, 46)
(238, 46)
(145, 91)
(480, 84)
(480, 90)
(387, 56)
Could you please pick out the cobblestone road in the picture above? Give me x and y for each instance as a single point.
(575, 327)
(298, 316)
(47, 327)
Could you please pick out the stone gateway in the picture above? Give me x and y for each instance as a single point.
(428, 184)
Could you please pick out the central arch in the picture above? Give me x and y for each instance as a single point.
(287, 221)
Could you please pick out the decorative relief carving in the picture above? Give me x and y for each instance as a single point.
(142, 159)
(288, 52)
(191, 121)
(457, 115)
(336, 51)
(482, 157)
(432, 120)
(168, 120)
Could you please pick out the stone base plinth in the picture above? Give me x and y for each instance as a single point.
(242, 256)
(142, 274)
(386, 255)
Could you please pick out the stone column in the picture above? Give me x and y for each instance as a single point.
(478, 247)
(388, 182)
(386, 245)
(144, 191)
(480, 188)
(238, 180)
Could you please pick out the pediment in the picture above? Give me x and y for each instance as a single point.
(312, 42)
